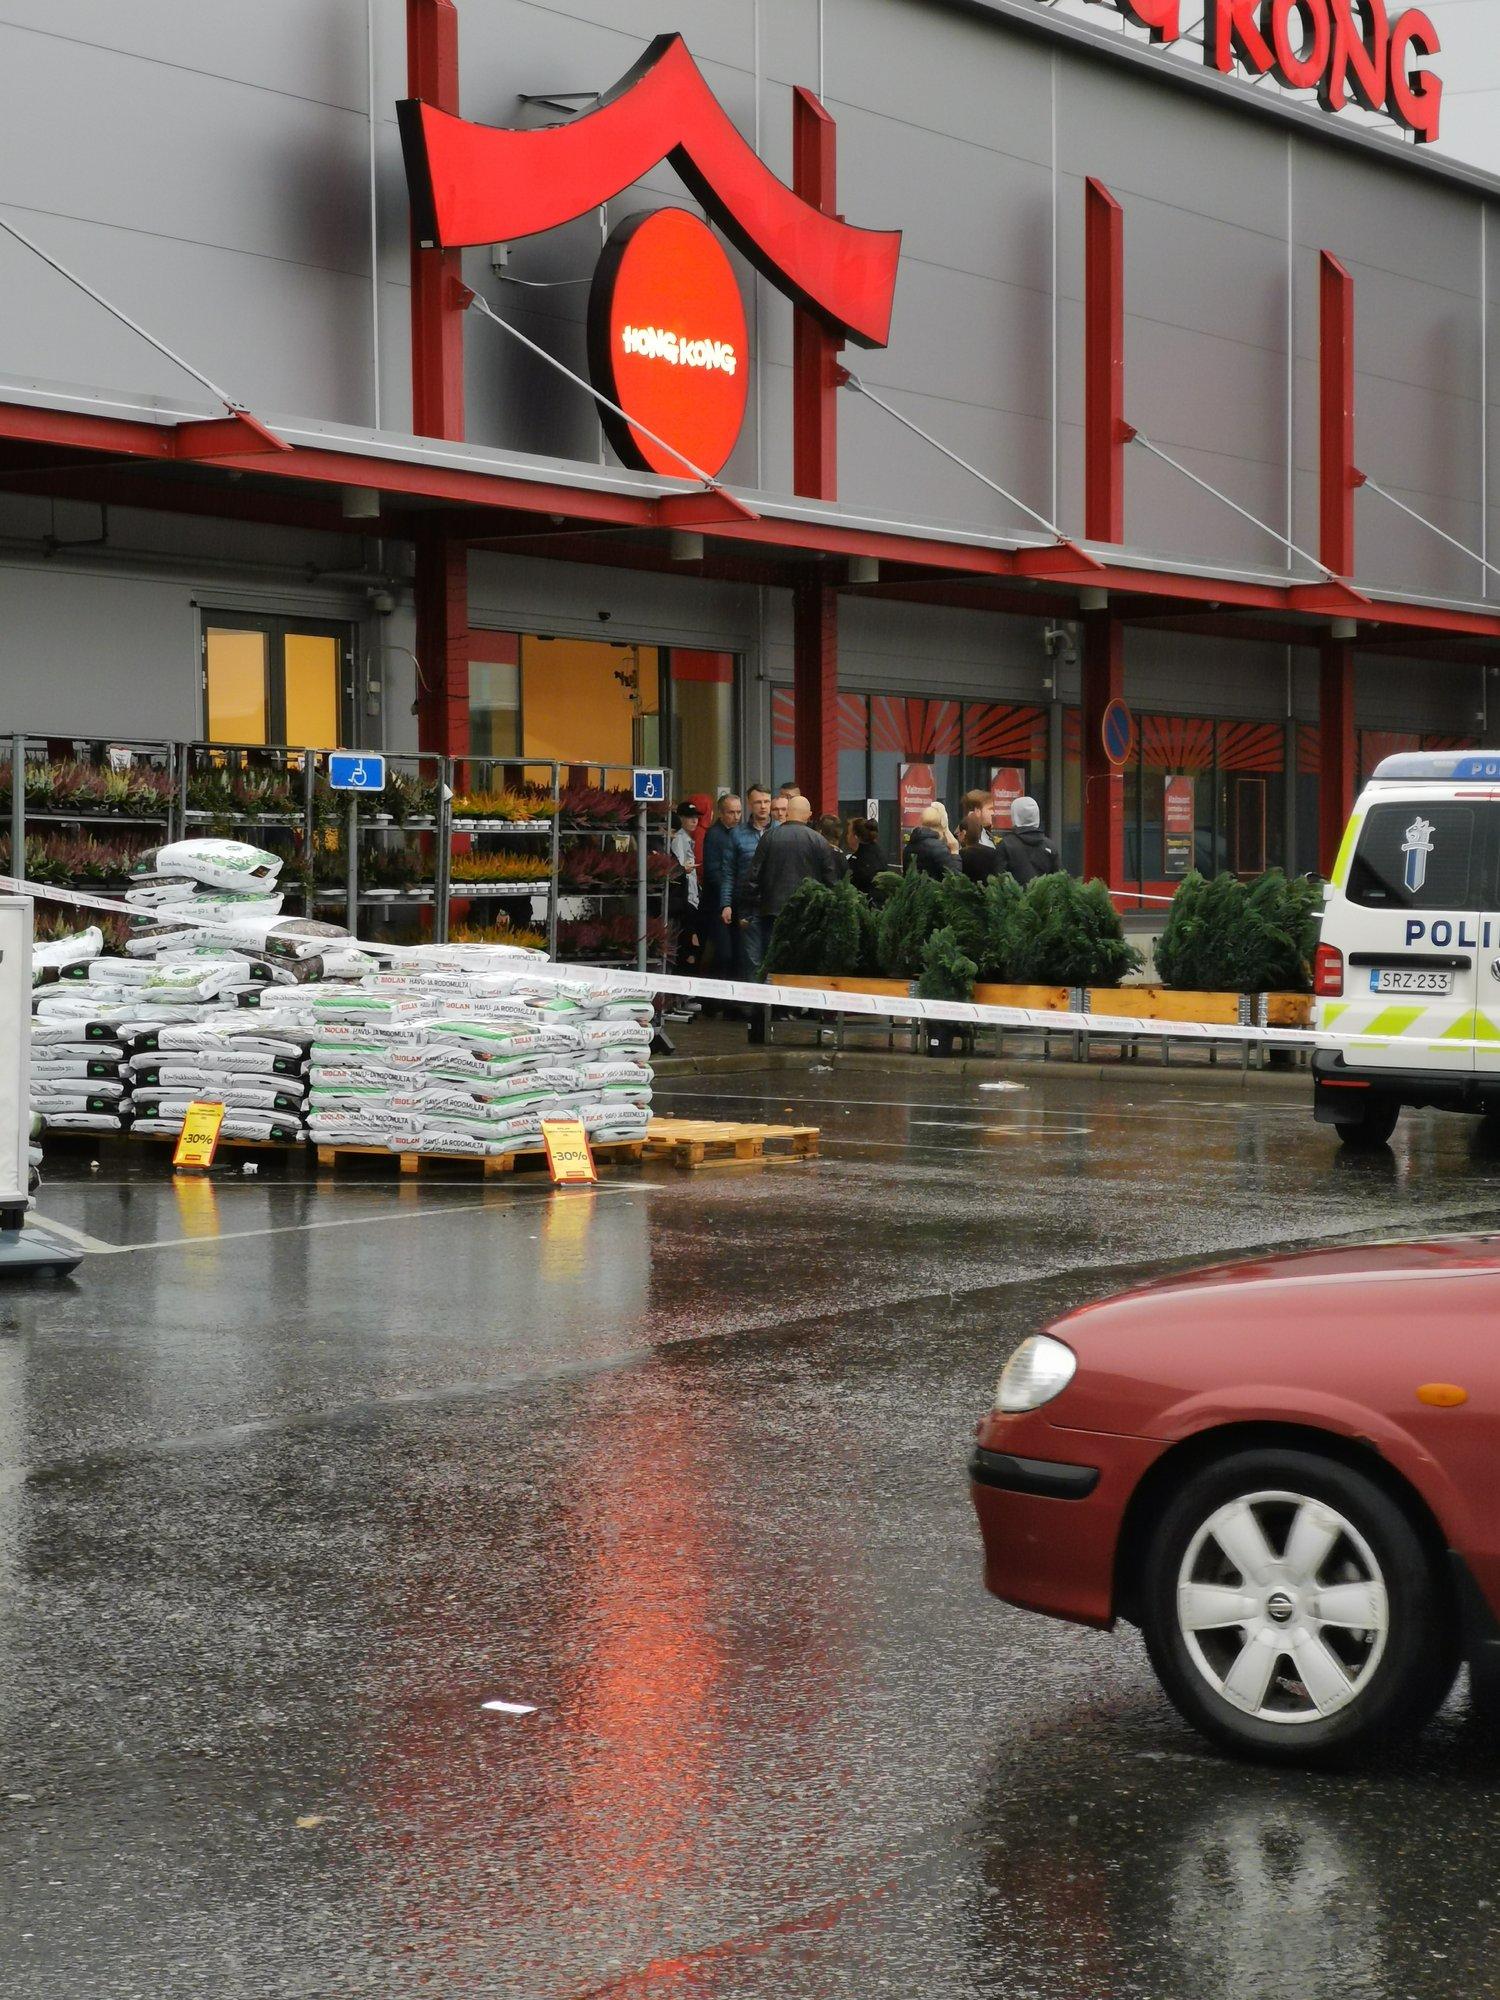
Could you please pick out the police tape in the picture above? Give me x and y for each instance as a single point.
(895, 1007)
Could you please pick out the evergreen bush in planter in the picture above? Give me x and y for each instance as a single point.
(1226, 936)
(869, 938)
(908, 919)
(819, 931)
(1068, 933)
(947, 971)
(885, 885)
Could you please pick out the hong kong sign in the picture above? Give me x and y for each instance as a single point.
(667, 334)
(667, 343)
(1348, 51)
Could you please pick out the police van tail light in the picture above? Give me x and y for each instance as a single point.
(1328, 972)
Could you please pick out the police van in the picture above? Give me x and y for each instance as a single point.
(1409, 964)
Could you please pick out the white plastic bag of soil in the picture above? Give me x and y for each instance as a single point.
(219, 864)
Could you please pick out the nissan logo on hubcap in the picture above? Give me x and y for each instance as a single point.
(1280, 1607)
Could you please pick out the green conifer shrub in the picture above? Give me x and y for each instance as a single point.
(947, 971)
(907, 920)
(1228, 936)
(817, 932)
(1068, 933)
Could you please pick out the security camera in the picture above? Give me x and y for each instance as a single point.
(382, 603)
(605, 616)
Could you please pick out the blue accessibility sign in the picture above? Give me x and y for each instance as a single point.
(356, 771)
(650, 788)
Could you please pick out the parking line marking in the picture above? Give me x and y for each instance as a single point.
(94, 1247)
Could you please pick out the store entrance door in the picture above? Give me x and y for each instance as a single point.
(277, 680)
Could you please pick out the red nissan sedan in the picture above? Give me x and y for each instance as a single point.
(1285, 1471)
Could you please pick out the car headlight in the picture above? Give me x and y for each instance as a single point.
(1040, 1369)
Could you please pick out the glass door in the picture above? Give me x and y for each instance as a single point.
(277, 680)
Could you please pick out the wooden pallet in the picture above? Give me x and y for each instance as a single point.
(712, 1142)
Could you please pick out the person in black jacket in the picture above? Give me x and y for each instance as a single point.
(787, 856)
(978, 857)
(868, 860)
(1025, 849)
(932, 847)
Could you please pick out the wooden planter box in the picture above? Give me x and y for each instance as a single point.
(1048, 999)
(1284, 1010)
(1164, 1003)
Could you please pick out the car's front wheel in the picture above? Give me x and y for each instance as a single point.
(1291, 1610)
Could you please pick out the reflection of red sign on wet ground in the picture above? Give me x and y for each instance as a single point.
(917, 790)
(1007, 784)
(1178, 819)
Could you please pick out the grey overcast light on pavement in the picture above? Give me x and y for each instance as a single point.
(577, 1596)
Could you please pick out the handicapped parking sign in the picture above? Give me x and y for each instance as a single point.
(650, 788)
(355, 771)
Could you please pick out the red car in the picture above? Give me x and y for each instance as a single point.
(1285, 1471)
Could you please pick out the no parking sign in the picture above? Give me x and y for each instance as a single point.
(1117, 733)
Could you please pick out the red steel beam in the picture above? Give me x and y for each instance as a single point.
(815, 617)
(1103, 785)
(1336, 742)
(441, 590)
(411, 486)
(1105, 431)
(437, 304)
(1337, 475)
(815, 425)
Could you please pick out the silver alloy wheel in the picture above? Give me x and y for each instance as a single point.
(1282, 1607)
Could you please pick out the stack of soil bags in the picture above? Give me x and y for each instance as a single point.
(469, 1062)
(257, 1072)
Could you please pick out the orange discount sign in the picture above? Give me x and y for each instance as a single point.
(569, 1154)
(198, 1140)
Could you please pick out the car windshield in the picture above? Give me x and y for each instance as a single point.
(1427, 855)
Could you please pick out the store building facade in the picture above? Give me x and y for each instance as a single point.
(947, 528)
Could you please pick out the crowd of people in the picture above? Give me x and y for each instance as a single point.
(727, 891)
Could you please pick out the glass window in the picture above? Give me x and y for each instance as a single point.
(495, 708)
(588, 701)
(702, 691)
(311, 669)
(915, 750)
(236, 672)
(1418, 857)
(274, 680)
(1004, 755)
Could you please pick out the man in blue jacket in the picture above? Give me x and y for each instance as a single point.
(721, 872)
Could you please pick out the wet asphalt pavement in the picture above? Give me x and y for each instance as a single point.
(294, 1478)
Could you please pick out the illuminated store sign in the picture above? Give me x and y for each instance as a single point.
(1348, 51)
(667, 343)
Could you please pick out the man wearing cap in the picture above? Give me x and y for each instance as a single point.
(1025, 850)
(682, 889)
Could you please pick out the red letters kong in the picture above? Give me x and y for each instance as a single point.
(1342, 49)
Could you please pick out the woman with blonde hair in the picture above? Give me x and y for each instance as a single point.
(932, 847)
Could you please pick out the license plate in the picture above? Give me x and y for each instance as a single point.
(1389, 979)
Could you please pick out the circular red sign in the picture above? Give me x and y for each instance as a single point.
(668, 343)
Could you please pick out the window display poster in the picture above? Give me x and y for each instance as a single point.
(1007, 784)
(917, 791)
(1179, 815)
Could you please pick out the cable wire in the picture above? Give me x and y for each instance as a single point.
(1442, 533)
(234, 407)
(588, 388)
(1254, 519)
(852, 381)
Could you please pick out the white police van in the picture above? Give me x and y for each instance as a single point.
(1409, 963)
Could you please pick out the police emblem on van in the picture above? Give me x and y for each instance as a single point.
(1416, 847)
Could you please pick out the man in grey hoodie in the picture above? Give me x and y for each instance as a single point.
(1025, 850)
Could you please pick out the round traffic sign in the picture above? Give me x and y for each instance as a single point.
(668, 343)
(1117, 733)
